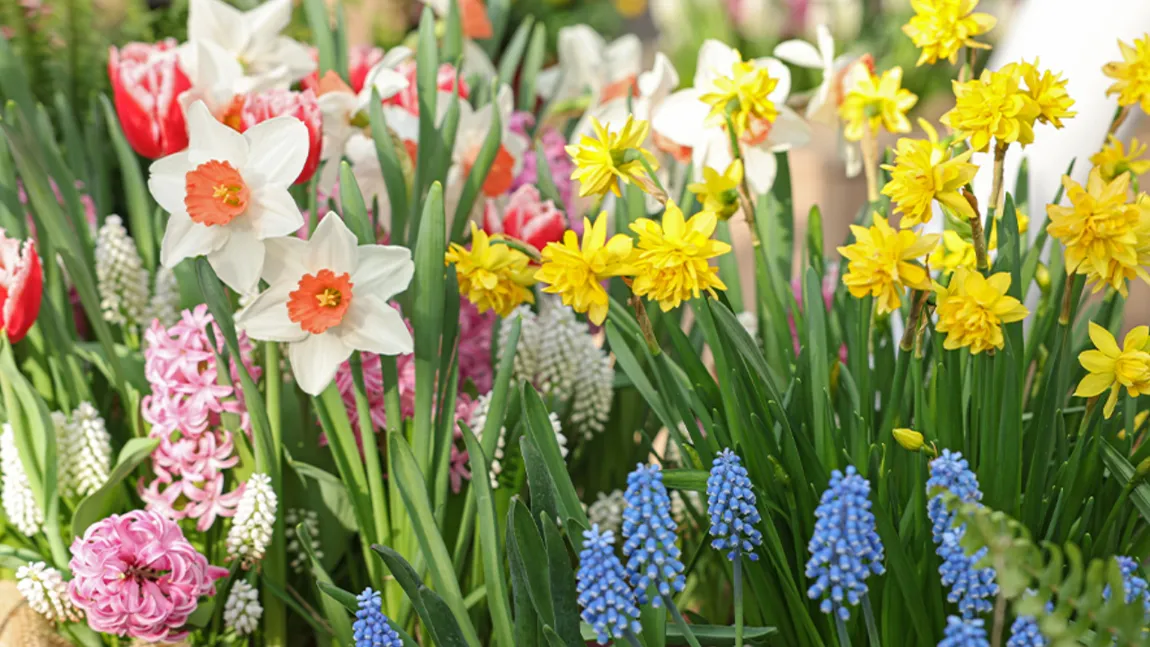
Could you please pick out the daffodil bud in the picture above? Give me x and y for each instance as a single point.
(1042, 276)
(1143, 468)
(910, 439)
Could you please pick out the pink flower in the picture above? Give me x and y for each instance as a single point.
(85, 201)
(526, 217)
(558, 162)
(21, 286)
(257, 108)
(408, 98)
(361, 58)
(830, 282)
(146, 82)
(136, 575)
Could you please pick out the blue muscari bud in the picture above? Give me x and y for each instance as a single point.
(649, 535)
(845, 548)
(964, 632)
(1024, 631)
(371, 627)
(970, 588)
(609, 604)
(731, 505)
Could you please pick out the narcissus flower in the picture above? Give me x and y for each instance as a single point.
(327, 297)
(942, 27)
(910, 439)
(610, 159)
(588, 63)
(262, 106)
(251, 38)
(743, 94)
(147, 81)
(492, 275)
(1047, 89)
(469, 139)
(21, 286)
(875, 102)
(575, 269)
(993, 106)
(925, 171)
(672, 262)
(955, 251)
(1115, 159)
(719, 192)
(228, 193)
(1132, 74)
(880, 263)
(1111, 368)
(973, 308)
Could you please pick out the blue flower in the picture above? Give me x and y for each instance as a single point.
(371, 627)
(609, 604)
(970, 588)
(731, 504)
(1024, 632)
(960, 632)
(1136, 587)
(845, 548)
(649, 535)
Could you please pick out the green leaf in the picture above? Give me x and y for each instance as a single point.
(391, 167)
(563, 591)
(478, 174)
(333, 607)
(708, 635)
(426, 77)
(353, 210)
(683, 479)
(135, 190)
(98, 504)
(332, 491)
(444, 626)
(539, 481)
(407, 578)
(539, 427)
(345, 598)
(532, 63)
(317, 20)
(509, 61)
(452, 33)
(427, 288)
(534, 556)
(526, 619)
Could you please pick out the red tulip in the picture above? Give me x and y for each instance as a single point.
(262, 106)
(146, 83)
(445, 80)
(21, 285)
(360, 60)
(527, 217)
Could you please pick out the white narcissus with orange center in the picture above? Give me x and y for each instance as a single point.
(228, 192)
(469, 139)
(328, 296)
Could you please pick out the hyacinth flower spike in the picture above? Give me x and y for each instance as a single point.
(609, 604)
(731, 506)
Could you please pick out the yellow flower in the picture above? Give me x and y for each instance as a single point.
(1114, 160)
(993, 106)
(1131, 75)
(1100, 228)
(924, 171)
(877, 101)
(910, 439)
(1112, 368)
(1139, 422)
(671, 265)
(744, 95)
(942, 27)
(954, 252)
(880, 263)
(1118, 271)
(972, 309)
(1048, 90)
(719, 193)
(608, 159)
(575, 272)
(492, 276)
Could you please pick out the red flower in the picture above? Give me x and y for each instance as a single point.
(527, 217)
(361, 59)
(21, 285)
(146, 83)
(408, 98)
(277, 103)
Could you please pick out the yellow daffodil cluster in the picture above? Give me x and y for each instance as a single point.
(744, 97)
(1111, 368)
(925, 171)
(576, 269)
(672, 263)
(972, 309)
(940, 28)
(491, 274)
(610, 159)
(876, 102)
(880, 263)
(719, 192)
(1114, 159)
(1132, 74)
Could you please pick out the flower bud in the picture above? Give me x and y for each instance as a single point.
(910, 439)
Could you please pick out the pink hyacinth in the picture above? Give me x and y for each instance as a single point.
(558, 162)
(136, 575)
(185, 409)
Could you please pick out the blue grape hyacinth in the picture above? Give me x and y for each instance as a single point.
(609, 604)
(371, 627)
(971, 588)
(964, 632)
(845, 548)
(731, 505)
(649, 535)
(1024, 632)
(1135, 585)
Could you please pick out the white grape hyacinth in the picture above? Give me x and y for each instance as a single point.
(310, 520)
(165, 303)
(84, 451)
(16, 493)
(607, 511)
(242, 611)
(46, 592)
(121, 278)
(479, 419)
(251, 530)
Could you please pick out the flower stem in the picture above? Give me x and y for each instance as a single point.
(840, 626)
(275, 611)
(645, 325)
(908, 335)
(1067, 298)
(871, 625)
(1116, 123)
(632, 639)
(999, 619)
(679, 621)
(996, 188)
(371, 460)
(869, 145)
(738, 593)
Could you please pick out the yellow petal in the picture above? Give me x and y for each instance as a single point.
(1092, 385)
(1103, 340)
(1095, 362)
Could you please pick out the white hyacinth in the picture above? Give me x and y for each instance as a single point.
(310, 521)
(46, 592)
(242, 611)
(479, 419)
(750, 323)
(607, 511)
(84, 450)
(121, 277)
(165, 303)
(251, 530)
(16, 494)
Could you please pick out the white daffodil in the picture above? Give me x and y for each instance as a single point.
(651, 88)
(476, 26)
(588, 63)
(228, 192)
(753, 94)
(327, 297)
(473, 128)
(218, 80)
(252, 38)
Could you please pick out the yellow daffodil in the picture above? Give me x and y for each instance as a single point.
(744, 96)
(1114, 159)
(1139, 424)
(575, 270)
(1132, 74)
(672, 265)
(993, 106)
(924, 171)
(880, 263)
(1118, 271)
(493, 276)
(609, 159)
(876, 102)
(910, 439)
(954, 252)
(1112, 368)
(942, 27)
(1100, 229)
(1047, 89)
(973, 308)
(719, 193)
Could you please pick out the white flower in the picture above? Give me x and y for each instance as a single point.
(165, 303)
(750, 323)
(327, 297)
(19, 502)
(474, 126)
(587, 63)
(684, 120)
(250, 38)
(46, 592)
(607, 511)
(84, 451)
(242, 611)
(228, 192)
(251, 530)
(651, 88)
(121, 278)
(310, 520)
(479, 419)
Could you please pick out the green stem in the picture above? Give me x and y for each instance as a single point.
(871, 625)
(274, 563)
(371, 457)
(841, 628)
(738, 593)
(632, 639)
(679, 621)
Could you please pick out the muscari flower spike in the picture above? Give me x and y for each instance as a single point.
(731, 506)
(649, 535)
(609, 605)
(1135, 585)
(1024, 631)
(371, 628)
(964, 632)
(845, 548)
(970, 587)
